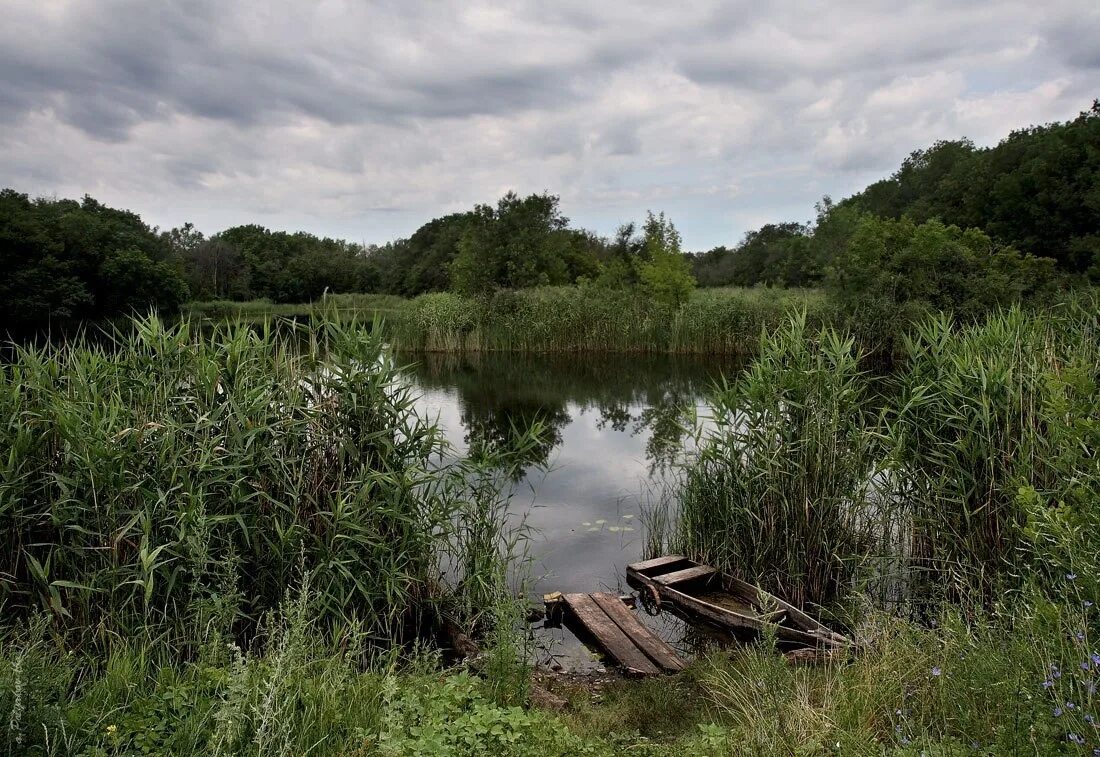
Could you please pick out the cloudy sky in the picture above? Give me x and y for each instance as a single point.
(362, 119)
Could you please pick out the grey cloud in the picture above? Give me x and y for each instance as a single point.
(621, 139)
(108, 70)
(326, 110)
(1077, 40)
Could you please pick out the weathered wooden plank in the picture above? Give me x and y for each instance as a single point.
(687, 574)
(610, 637)
(654, 647)
(656, 562)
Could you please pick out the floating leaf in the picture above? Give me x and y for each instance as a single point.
(614, 528)
(586, 524)
(628, 528)
(627, 517)
(594, 528)
(600, 522)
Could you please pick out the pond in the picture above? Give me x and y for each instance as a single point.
(613, 426)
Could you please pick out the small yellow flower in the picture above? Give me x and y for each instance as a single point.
(112, 729)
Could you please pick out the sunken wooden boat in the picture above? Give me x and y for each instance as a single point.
(702, 591)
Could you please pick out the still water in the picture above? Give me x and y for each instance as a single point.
(613, 426)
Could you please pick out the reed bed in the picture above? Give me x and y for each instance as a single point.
(589, 319)
(778, 492)
(172, 482)
(361, 307)
(978, 472)
(995, 428)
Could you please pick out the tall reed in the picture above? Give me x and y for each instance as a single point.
(176, 481)
(777, 492)
(587, 318)
(978, 474)
(984, 413)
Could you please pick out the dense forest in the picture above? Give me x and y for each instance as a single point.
(956, 226)
(1037, 191)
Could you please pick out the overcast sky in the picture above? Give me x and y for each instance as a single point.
(363, 119)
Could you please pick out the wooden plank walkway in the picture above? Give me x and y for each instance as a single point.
(619, 633)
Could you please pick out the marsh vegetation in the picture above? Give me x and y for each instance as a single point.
(238, 532)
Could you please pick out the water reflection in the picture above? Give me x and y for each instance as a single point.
(611, 426)
(500, 395)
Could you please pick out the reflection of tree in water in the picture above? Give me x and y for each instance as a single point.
(493, 428)
(501, 396)
(665, 417)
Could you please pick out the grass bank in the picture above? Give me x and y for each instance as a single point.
(240, 541)
(554, 319)
(359, 307)
(587, 319)
(1017, 680)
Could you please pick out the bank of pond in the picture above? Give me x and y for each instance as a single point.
(251, 540)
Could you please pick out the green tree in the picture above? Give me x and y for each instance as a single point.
(1037, 190)
(421, 263)
(133, 282)
(64, 260)
(665, 273)
(298, 267)
(517, 244)
(900, 269)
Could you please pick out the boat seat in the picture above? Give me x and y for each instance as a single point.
(687, 574)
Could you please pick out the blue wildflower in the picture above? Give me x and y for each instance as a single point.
(936, 670)
(1071, 576)
(1080, 636)
(1057, 712)
(1048, 683)
(1090, 720)
(1085, 665)
(1076, 739)
(1095, 658)
(1070, 705)
(1087, 603)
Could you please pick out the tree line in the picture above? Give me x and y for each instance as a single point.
(955, 225)
(1036, 192)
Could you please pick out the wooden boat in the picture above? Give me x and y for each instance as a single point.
(703, 591)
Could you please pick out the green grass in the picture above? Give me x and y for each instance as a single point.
(967, 480)
(588, 319)
(237, 540)
(174, 481)
(360, 306)
(1018, 680)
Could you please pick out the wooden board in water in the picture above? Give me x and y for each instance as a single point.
(621, 635)
(654, 647)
